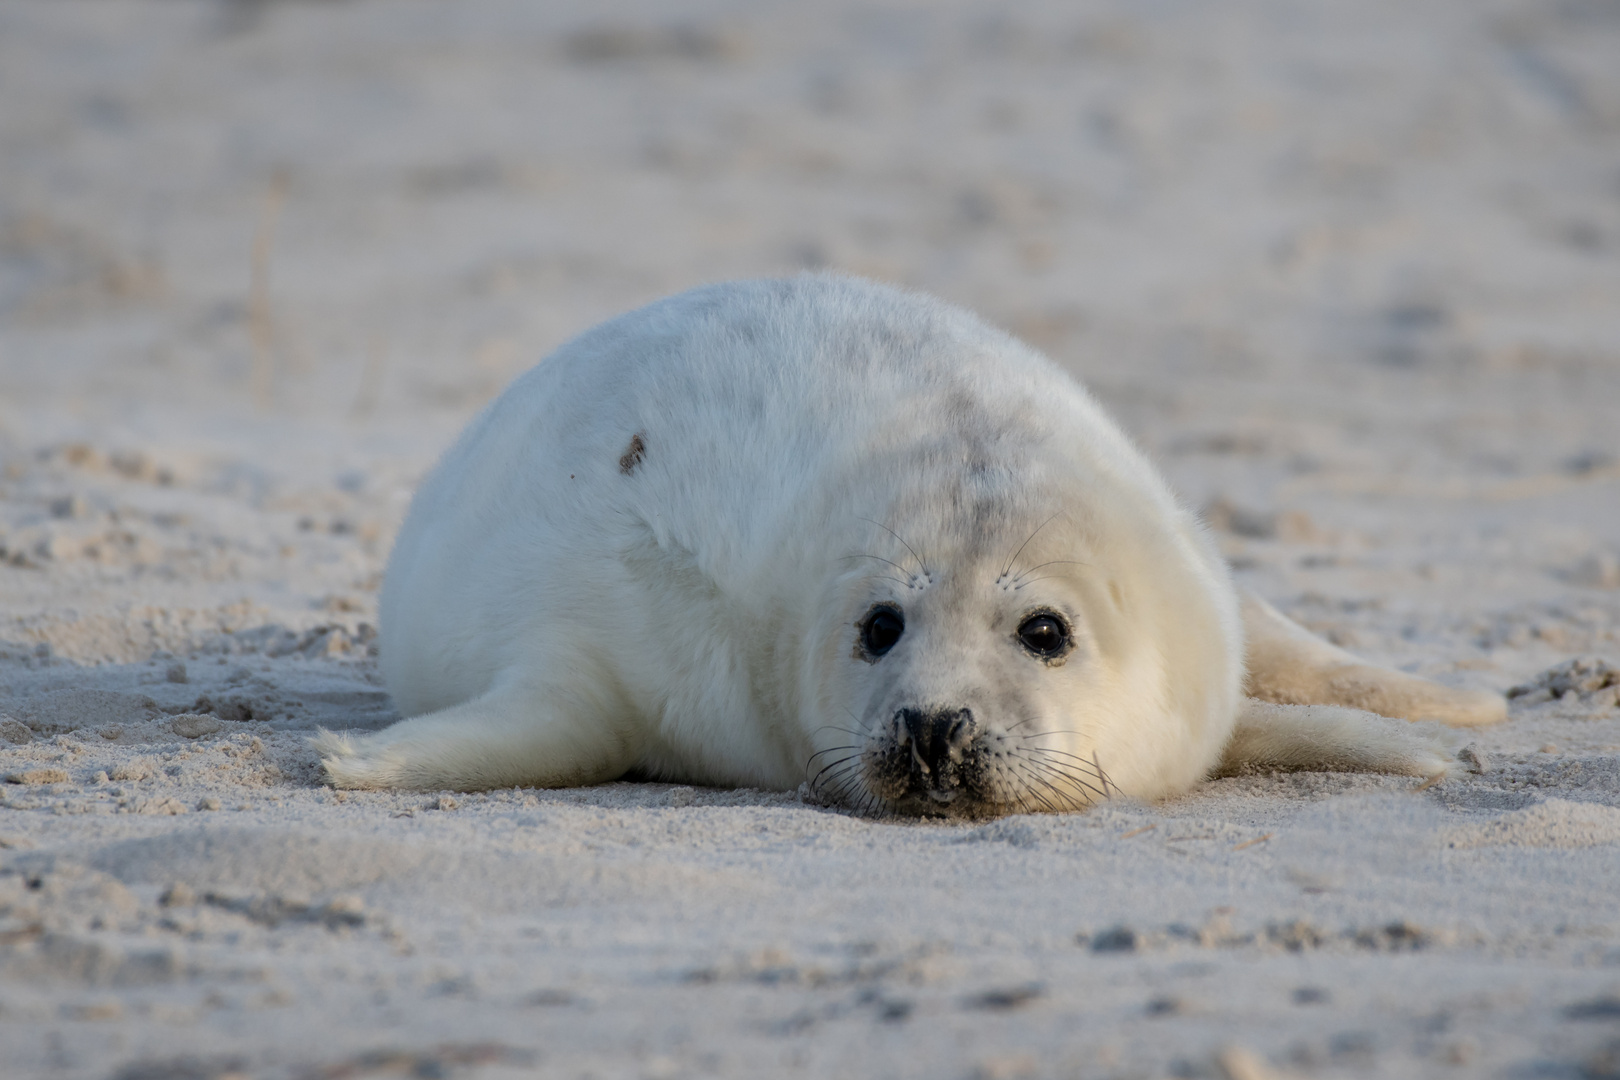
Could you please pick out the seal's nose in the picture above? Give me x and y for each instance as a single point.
(936, 737)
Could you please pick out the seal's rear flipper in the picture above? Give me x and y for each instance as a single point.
(1329, 738)
(1289, 665)
(510, 737)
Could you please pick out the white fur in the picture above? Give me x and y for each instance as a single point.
(559, 610)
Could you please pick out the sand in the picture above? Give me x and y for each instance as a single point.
(1350, 271)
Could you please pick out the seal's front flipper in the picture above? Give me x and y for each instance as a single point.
(511, 737)
(1329, 738)
(1289, 665)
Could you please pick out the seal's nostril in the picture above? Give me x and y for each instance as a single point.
(915, 728)
(962, 729)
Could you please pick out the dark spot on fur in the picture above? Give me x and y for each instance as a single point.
(632, 454)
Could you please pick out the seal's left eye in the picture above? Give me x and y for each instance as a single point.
(1044, 634)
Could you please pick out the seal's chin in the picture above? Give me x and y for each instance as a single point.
(895, 777)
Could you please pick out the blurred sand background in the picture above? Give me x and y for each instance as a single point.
(1350, 271)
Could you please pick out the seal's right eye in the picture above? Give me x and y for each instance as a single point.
(880, 630)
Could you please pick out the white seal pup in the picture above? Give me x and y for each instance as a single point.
(821, 530)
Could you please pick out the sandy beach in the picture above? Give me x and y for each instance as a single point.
(1348, 271)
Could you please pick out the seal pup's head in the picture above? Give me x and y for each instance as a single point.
(1029, 621)
(1021, 666)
